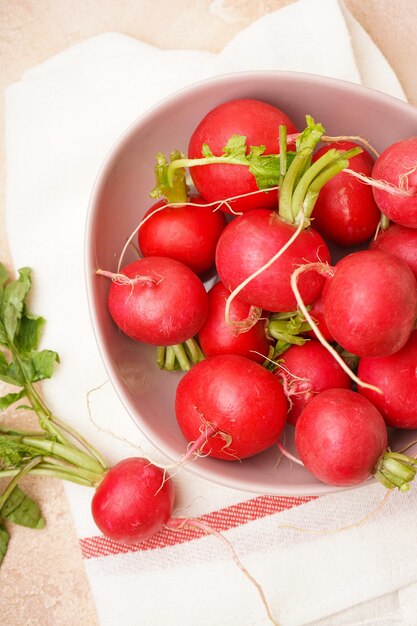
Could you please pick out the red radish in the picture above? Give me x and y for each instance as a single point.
(251, 240)
(307, 370)
(340, 437)
(218, 337)
(399, 241)
(133, 501)
(257, 121)
(370, 304)
(187, 233)
(396, 376)
(158, 301)
(345, 211)
(397, 165)
(231, 407)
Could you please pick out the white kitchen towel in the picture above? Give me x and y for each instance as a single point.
(62, 118)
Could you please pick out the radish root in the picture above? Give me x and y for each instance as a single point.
(293, 385)
(107, 431)
(121, 279)
(195, 447)
(288, 454)
(243, 326)
(402, 190)
(403, 181)
(357, 138)
(193, 451)
(217, 204)
(330, 531)
(179, 523)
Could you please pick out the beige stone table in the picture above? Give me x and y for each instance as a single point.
(42, 580)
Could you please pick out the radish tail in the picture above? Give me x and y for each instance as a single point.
(178, 523)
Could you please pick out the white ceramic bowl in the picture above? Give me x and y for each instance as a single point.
(121, 197)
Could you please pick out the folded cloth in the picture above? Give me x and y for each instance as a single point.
(63, 116)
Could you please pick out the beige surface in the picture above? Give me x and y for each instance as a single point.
(42, 580)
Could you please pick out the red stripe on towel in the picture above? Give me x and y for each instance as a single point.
(221, 520)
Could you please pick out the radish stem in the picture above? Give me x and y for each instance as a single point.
(282, 153)
(73, 455)
(77, 437)
(19, 474)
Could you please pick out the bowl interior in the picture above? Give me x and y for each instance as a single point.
(121, 197)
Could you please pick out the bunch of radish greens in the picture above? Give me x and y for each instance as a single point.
(285, 335)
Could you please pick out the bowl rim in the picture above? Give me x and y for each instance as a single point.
(155, 110)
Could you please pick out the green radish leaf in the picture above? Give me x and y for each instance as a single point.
(205, 151)
(25, 407)
(311, 135)
(3, 334)
(4, 275)
(236, 147)
(265, 169)
(4, 542)
(10, 398)
(10, 372)
(29, 334)
(22, 510)
(43, 364)
(13, 452)
(30, 368)
(14, 296)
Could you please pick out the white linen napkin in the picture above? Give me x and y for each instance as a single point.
(62, 118)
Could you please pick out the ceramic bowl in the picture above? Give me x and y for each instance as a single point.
(121, 197)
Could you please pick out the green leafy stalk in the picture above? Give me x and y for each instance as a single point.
(70, 454)
(395, 470)
(287, 330)
(53, 451)
(311, 135)
(180, 356)
(80, 439)
(298, 179)
(20, 333)
(305, 144)
(18, 508)
(4, 542)
(264, 167)
(303, 181)
(288, 186)
(282, 154)
(80, 477)
(173, 186)
(316, 176)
